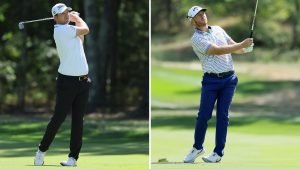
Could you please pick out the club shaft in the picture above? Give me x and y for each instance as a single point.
(37, 20)
(252, 27)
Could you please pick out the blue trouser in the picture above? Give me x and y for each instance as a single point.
(220, 90)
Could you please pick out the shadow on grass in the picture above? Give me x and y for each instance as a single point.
(188, 122)
(274, 104)
(195, 163)
(44, 166)
(245, 108)
(248, 114)
(21, 135)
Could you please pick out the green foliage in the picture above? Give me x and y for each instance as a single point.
(133, 47)
(273, 27)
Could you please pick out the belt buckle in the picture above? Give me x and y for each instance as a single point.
(80, 78)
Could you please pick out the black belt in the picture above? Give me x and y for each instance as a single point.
(79, 78)
(221, 75)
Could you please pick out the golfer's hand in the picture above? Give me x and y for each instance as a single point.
(74, 16)
(248, 49)
(247, 42)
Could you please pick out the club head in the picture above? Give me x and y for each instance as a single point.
(21, 25)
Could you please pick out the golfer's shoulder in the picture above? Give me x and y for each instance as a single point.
(197, 35)
(216, 28)
(63, 28)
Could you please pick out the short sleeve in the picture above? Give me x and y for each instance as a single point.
(71, 31)
(200, 44)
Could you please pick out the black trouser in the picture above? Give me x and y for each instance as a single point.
(71, 94)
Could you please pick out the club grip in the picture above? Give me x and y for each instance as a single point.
(251, 34)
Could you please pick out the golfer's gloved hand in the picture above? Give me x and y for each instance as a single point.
(248, 49)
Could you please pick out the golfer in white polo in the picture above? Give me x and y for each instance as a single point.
(72, 86)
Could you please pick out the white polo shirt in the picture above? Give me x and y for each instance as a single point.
(70, 51)
(201, 42)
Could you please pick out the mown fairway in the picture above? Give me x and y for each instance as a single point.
(264, 130)
(108, 144)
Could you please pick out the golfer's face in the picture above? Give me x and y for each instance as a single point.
(200, 19)
(63, 18)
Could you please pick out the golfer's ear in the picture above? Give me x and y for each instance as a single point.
(192, 22)
(55, 17)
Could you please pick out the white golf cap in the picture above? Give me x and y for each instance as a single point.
(59, 8)
(193, 11)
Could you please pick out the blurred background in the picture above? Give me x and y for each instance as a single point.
(117, 51)
(276, 29)
(265, 111)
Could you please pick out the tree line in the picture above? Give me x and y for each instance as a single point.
(277, 22)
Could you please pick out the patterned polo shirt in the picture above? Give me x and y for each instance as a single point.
(201, 42)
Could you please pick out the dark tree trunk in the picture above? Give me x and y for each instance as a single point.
(107, 49)
(91, 49)
(168, 5)
(113, 59)
(21, 70)
(295, 17)
(143, 109)
(67, 2)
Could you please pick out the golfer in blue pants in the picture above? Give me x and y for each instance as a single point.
(220, 89)
(214, 46)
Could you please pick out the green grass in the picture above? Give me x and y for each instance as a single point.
(182, 86)
(253, 142)
(260, 136)
(239, 122)
(85, 162)
(243, 150)
(110, 144)
(170, 83)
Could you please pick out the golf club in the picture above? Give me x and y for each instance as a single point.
(254, 19)
(21, 24)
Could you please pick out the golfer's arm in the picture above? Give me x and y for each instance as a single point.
(240, 51)
(81, 38)
(81, 28)
(226, 49)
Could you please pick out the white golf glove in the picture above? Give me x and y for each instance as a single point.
(248, 49)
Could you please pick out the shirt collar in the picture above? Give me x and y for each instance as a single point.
(203, 32)
(57, 25)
